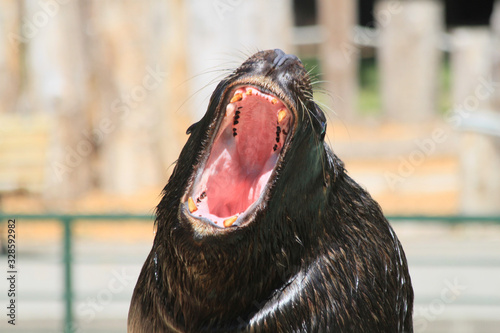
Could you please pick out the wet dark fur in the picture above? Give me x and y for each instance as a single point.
(320, 256)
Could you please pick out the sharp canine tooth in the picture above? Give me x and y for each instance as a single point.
(229, 109)
(237, 97)
(281, 115)
(192, 205)
(229, 222)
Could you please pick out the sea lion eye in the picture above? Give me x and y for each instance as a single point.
(319, 116)
(323, 130)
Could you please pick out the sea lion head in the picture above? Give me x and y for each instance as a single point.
(260, 119)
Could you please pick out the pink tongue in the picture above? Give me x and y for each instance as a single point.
(257, 136)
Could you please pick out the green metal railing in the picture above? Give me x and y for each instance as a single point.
(68, 219)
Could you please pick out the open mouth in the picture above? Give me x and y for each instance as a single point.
(243, 155)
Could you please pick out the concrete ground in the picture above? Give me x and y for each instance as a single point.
(455, 272)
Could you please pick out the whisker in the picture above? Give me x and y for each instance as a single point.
(218, 78)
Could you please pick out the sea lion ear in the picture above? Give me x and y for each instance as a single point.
(192, 127)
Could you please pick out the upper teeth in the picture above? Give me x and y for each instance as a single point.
(237, 97)
(281, 115)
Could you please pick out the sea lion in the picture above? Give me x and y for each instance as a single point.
(260, 229)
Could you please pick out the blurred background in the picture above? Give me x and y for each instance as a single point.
(96, 95)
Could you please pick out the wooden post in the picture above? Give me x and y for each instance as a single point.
(409, 57)
(480, 162)
(223, 33)
(473, 90)
(57, 85)
(139, 61)
(470, 65)
(10, 54)
(339, 59)
(168, 101)
(495, 27)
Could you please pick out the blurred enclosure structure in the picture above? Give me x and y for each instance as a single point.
(96, 95)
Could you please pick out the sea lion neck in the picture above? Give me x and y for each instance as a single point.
(219, 280)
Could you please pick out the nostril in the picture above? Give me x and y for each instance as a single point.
(282, 57)
(279, 54)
